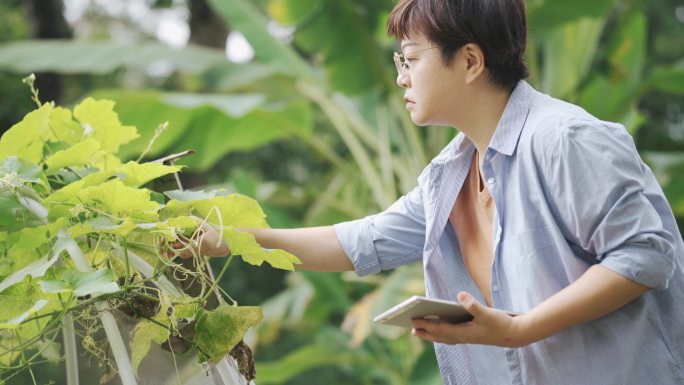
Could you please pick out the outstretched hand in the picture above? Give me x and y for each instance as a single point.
(489, 327)
(205, 240)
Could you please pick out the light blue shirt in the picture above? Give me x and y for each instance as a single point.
(570, 191)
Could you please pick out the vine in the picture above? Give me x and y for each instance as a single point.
(83, 233)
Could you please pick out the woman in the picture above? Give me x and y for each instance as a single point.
(535, 207)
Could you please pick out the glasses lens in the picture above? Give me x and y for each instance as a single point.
(399, 63)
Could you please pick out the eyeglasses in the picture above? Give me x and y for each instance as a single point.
(401, 62)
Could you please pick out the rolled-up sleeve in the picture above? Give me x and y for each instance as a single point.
(386, 240)
(604, 200)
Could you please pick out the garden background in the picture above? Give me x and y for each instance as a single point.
(294, 103)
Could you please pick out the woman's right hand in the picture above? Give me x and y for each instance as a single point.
(205, 240)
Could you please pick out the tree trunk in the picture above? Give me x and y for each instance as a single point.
(48, 22)
(206, 27)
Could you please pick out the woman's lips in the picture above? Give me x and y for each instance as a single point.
(408, 101)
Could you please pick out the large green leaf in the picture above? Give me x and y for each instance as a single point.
(213, 125)
(218, 331)
(354, 60)
(568, 51)
(246, 17)
(668, 79)
(104, 56)
(609, 95)
(552, 13)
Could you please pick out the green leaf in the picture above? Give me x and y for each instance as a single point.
(245, 245)
(11, 211)
(568, 53)
(101, 57)
(37, 268)
(135, 174)
(367, 68)
(79, 283)
(608, 96)
(25, 139)
(25, 244)
(218, 331)
(668, 79)
(79, 154)
(120, 200)
(102, 124)
(17, 172)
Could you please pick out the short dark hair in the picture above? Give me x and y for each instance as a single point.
(498, 27)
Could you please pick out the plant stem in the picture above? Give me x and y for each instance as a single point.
(218, 278)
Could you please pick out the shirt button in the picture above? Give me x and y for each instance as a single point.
(490, 180)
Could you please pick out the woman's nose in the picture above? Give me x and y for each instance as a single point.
(402, 81)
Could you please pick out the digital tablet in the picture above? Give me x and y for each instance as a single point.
(422, 307)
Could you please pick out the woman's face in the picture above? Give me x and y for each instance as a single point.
(432, 89)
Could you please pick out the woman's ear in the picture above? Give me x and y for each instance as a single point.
(475, 62)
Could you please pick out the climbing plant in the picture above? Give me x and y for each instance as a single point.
(84, 236)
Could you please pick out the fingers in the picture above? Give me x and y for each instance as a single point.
(439, 331)
(181, 247)
(472, 305)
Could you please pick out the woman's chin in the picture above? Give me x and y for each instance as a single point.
(419, 120)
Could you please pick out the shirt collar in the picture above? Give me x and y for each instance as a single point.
(512, 121)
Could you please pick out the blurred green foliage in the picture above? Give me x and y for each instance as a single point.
(314, 129)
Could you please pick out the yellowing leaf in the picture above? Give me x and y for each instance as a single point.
(147, 332)
(25, 139)
(108, 162)
(245, 245)
(119, 200)
(79, 154)
(218, 331)
(135, 174)
(144, 334)
(63, 126)
(232, 210)
(18, 299)
(103, 225)
(69, 193)
(100, 122)
(185, 307)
